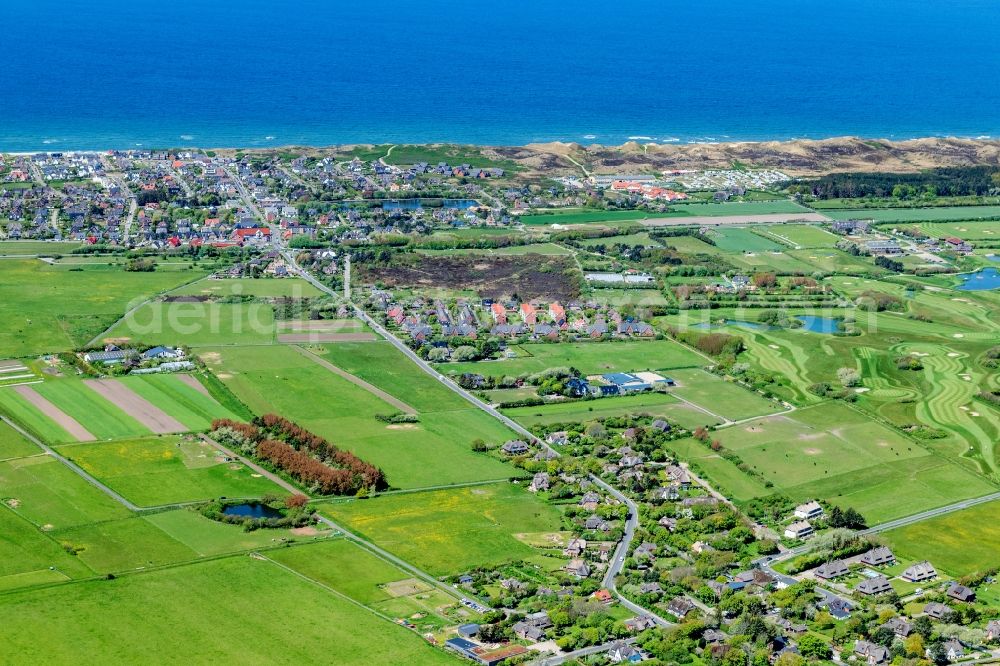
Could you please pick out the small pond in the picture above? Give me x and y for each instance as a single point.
(816, 324)
(984, 278)
(252, 511)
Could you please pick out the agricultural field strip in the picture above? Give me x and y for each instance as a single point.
(73, 467)
(97, 338)
(324, 586)
(357, 381)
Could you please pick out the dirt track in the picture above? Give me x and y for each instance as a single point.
(65, 421)
(135, 406)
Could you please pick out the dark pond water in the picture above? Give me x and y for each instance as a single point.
(252, 511)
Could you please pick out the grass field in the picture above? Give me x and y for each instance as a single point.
(181, 615)
(958, 543)
(742, 239)
(49, 495)
(834, 453)
(13, 445)
(719, 396)
(26, 555)
(381, 364)
(263, 287)
(450, 531)
(206, 537)
(915, 214)
(588, 357)
(117, 546)
(972, 231)
(778, 262)
(364, 577)
(581, 216)
(437, 450)
(198, 324)
(798, 235)
(832, 260)
(691, 245)
(16, 248)
(162, 470)
(654, 404)
(48, 308)
(621, 297)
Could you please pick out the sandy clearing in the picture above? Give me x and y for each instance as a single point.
(725, 220)
(308, 530)
(193, 382)
(958, 335)
(296, 338)
(401, 426)
(64, 420)
(135, 406)
(953, 354)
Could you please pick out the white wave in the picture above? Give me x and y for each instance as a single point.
(589, 136)
(641, 138)
(270, 138)
(187, 137)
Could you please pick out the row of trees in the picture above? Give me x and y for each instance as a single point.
(303, 455)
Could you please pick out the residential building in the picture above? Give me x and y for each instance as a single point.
(832, 569)
(878, 556)
(873, 586)
(919, 572)
(799, 530)
(808, 511)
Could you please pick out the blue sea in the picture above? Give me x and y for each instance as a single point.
(123, 73)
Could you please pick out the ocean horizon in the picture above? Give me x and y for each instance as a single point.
(110, 74)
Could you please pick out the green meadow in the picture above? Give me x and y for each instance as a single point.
(742, 239)
(661, 405)
(48, 494)
(180, 615)
(449, 531)
(259, 287)
(719, 396)
(798, 235)
(14, 445)
(162, 470)
(835, 453)
(916, 214)
(957, 543)
(436, 450)
(590, 358)
(51, 308)
(381, 364)
(198, 324)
